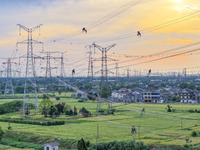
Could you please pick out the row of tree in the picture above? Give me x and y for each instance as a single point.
(47, 107)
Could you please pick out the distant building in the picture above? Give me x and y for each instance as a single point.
(151, 97)
(51, 146)
(126, 95)
(189, 96)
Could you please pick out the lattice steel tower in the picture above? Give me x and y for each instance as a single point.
(62, 66)
(104, 60)
(90, 63)
(30, 87)
(9, 84)
(48, 69)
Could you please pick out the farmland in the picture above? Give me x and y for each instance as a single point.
(156, 126)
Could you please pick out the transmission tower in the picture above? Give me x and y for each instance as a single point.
(104, 60)
(48, 68)
(104, 69)
(30, 87)
(128, 73)
(9, 84)
(117, 70)
(90, 63)
(62, 66)
(184, 72)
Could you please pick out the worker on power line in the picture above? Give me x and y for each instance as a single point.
(139, 34)
(133, 130)
(149, 73)
(84, 30)
(73, 72)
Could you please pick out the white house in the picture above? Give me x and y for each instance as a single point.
(117, 95)
(51, 146)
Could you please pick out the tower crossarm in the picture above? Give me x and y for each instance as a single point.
(29, 29)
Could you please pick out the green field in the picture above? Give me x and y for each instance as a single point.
(155, 126)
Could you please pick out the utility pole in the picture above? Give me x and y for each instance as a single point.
(9, 84)
(30, 87)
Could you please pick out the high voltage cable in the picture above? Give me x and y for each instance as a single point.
(115, 13)
(160, 26)
(160, 53)
(100, 21)
(155, 54)
(159, 58)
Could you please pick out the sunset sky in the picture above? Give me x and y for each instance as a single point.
(63, 21)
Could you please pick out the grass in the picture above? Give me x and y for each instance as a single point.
(156, 126)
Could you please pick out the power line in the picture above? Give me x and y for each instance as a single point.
(100, 21)
(160, 58)
(153, 28)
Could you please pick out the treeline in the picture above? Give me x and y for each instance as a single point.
(10, 107)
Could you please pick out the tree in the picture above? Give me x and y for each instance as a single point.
(84, 112)
(45, 106)
(59, 91)
(176, 98)
(1, 133)
(60, 107)
(81, 145)
(191, 86)
(183, 85)
(105, 92)
(52, 111)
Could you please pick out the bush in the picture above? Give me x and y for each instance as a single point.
(81, 100)
(121, 145)
(22, 144)
(101, 111)
(169, 108)
(48, 123)
(57, 98)
(194, 134)
(10, 107)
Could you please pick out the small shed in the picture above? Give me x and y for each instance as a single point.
(51, 146)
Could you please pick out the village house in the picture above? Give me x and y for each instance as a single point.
(127, 96)
(151, 97)
(51, 146)
(189, 96)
